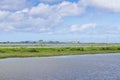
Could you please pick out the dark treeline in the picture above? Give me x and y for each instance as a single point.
(39, 41)
(42, 41)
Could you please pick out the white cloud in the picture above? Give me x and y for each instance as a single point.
(4, 14)
(13, 4)
(6, 27)
(62, 9)
(112, 5)
(40, 10)
(16, 16)
(69, 9)
(77, 28)
(39, 18)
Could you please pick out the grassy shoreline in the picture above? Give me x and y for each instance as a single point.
(46, 52)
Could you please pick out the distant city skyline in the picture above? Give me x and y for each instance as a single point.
(60, 20)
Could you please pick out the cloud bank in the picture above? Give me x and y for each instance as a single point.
(111, 5)
(24, 16)
(40, 18)
(79, 28)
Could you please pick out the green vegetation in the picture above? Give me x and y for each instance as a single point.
(44, 52)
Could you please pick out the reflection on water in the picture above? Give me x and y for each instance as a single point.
(84, 67)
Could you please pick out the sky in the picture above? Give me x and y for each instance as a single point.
(60, 20)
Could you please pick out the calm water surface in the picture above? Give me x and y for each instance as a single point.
(83, 67)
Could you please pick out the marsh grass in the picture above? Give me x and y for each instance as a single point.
(44, 52)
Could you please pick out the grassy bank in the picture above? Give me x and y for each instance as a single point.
(44, 52)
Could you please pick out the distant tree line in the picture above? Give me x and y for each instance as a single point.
(39, 41)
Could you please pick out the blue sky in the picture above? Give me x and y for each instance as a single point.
(60, 20)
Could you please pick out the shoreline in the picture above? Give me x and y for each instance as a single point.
(64, 56)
